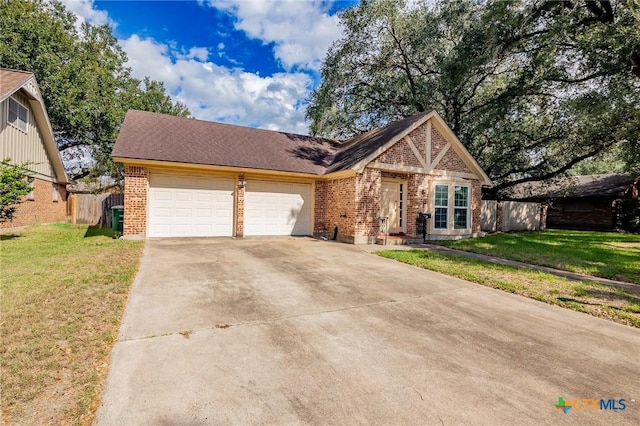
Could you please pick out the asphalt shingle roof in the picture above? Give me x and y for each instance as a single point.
(604, 185)
(11, 80)
(153, 136)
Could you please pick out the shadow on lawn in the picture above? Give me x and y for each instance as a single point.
(96, 231)
(9, 236)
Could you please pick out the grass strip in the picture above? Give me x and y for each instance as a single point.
(64, 288)
(616, 304)
(602, 254)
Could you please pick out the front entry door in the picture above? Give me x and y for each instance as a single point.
(393, 205)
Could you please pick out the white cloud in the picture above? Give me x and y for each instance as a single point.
(302, 31)
(216, 93)
(85, 12)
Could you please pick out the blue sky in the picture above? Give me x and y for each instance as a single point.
(246, 62)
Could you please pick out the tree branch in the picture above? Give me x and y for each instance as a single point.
(552, 174)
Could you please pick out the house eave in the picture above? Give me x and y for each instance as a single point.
(211, 168)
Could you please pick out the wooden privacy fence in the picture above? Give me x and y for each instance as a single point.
(512, 216)
(94, 209)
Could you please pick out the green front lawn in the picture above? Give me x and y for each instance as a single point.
(601, 254)
(64, 288)
(612, 303)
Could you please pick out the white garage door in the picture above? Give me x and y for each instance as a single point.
(277, 208)
(187, 206)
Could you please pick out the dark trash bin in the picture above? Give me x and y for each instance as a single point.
(117, 218)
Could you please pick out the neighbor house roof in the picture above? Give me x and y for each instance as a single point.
(12, 81)
(160, 137)
(604, 185)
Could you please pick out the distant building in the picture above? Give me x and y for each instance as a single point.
(579, 202)
(26, 135)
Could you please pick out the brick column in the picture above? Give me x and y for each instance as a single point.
(320, 227)
(240, 208)
(136, 186)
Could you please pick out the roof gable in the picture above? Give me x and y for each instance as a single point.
(432, 155)
(11, 81)
(362, 149)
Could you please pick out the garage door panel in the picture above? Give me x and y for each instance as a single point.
(204, 212)
(277, 208)
(184, 206)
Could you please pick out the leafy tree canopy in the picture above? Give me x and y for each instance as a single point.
(531, 88)
(82, 75)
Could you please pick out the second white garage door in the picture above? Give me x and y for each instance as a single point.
(190, 206)
(277, 208)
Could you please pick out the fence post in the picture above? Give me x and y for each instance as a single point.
(72, 206)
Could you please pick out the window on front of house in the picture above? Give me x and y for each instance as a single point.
(441, 215)
(55, 196)
(17, 115)
(461, 207)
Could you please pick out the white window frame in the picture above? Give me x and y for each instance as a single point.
(466, 208)
(18, 119)
(55, 195)
(436, 207)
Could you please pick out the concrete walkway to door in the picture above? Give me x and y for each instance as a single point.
(297, 331)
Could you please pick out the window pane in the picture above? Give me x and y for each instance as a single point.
(460, 218)
(461, 196)
(22, 113)
(442, 195)
(13, 112)
(440, 218)
(13, 118)
(18, 115)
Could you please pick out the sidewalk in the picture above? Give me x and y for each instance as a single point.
(372, 248)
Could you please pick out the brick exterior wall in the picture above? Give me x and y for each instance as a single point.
(136, 187)
(320, 224)
(417, 199)
(401, 154)
(600, 214)
(240, 208)
(42, 208)
(476, 203)
(335, 205)
(452, 162)
(419, 138)
(368, 185)
(438, 142)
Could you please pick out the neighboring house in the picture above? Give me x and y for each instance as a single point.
(186, 177)
(26, 135)
(579, 202)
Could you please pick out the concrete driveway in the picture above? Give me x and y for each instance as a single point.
(294, 330)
